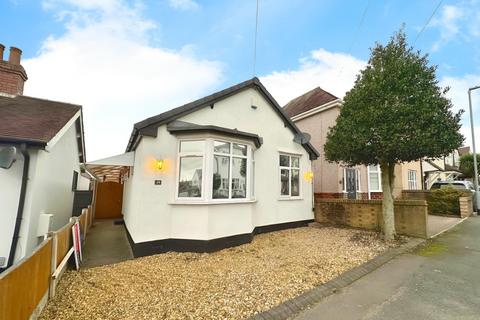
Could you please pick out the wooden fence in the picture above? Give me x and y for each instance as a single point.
(26, 286)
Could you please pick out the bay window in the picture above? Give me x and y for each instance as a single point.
(214, 170)
(289, 175)
(229, 170)
(190, 162)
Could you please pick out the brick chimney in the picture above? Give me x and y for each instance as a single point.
(12, 74)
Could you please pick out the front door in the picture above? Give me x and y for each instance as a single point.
(350, 183)
(109, 200)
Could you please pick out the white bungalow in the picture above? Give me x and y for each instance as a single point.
(212, 173)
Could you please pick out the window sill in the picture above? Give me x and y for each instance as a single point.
(195, 202)
(290, 198)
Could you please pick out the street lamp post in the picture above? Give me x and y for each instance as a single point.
(475, 169)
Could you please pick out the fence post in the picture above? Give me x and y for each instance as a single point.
(90, 214)
(90, 207)
(53, 263)
(85, 216)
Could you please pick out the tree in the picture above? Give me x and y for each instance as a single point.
(466, 165)
(396, 112)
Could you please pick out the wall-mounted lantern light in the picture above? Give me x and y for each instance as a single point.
(308, 176)
(159, 164)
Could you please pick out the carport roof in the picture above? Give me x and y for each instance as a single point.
(111, 168)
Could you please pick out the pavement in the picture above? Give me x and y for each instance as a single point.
(106, 243)
(438, 281)
(437, 224)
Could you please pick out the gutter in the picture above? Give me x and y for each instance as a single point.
(21, 203)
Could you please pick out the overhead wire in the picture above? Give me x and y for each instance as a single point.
(428, 21)
(255, 42)
(357, 33)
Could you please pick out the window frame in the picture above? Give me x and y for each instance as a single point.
(289, 168)
(231, 156)
(207, 170)
(410, 181)
(378, 172)
(190, 154)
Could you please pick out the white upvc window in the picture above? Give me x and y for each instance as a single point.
(230, 165)
(374, 178)
(214, 170)
(412, 179)
(289, 171)
(191, 166)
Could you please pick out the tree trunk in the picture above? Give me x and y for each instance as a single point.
(388, 179)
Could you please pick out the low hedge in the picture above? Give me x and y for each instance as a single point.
(445, 201)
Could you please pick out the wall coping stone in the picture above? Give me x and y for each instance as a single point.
(403, 202)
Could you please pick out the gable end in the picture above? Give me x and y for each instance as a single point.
(149, 126)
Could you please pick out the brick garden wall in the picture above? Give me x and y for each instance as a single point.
(415, 194)
(410, 215)
(466, 206)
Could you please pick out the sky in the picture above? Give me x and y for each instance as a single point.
(124, 61)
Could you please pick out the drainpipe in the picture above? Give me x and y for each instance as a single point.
(421, 174)
(21, 202)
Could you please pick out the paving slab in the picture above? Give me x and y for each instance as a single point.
(106, 243)
(437, 224)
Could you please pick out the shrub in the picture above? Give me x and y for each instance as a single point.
(445, 201)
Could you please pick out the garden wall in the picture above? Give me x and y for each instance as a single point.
(415, 194)
(466, 206)
(410, 215)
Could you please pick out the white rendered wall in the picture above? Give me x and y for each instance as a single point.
(50, 187)
(150, 211)
(10, 183)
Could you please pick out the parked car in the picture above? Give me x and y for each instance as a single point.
(457, 184)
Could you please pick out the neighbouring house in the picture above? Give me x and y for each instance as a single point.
(315, 112)
(443, 169)
(41, 150)
(212, 173)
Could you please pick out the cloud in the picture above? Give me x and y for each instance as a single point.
(105, 62)
(334, 72)
(183, 4)
(449, 24)
(458, 94)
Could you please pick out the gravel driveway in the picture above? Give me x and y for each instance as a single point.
(233, 283)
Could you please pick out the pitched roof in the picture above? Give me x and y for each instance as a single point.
(463, 150)
(182, 127)
(307, 101)
(148, 127)
(32, 121)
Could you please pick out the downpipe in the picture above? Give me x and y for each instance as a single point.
(21, 203)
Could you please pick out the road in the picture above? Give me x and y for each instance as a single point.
(439, 281)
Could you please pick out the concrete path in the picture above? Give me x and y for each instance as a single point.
(437, 224)
(440, 281)
(106, 243)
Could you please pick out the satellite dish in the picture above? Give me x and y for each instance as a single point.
(301, 137)
(7, 157)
